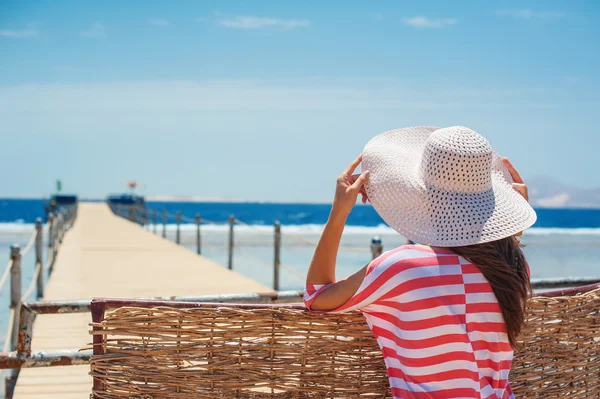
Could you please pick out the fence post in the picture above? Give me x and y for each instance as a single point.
(178, 235)
(154, 217)
(15, 293)
(276, 258)
(50, 227)
(164, 222)
(38, 257)
(376, 247)
(55, 233)
(230, 252)
(61, 223)
(198, 237)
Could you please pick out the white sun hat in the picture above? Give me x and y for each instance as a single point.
(444, 187)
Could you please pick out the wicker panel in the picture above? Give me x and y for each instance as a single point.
(227, 352)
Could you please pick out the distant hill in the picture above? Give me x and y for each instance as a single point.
(545, 192)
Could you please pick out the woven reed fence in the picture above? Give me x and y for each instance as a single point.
(191, 350)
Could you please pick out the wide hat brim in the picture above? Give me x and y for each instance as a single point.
(399, 194)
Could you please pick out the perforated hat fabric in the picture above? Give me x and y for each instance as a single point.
(444, 187)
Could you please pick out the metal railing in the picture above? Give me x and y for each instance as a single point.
(57, 225)
(150, 219)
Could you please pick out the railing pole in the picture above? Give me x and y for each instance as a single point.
(178, 234)
(154, 217)
(15, 293)
(55, 233)
(230, 252)
(276, 258)
(61, 226)
(38, 257)
(51, 223)
(198, 237)
(164, 223)
(50, 227)
(376, 247)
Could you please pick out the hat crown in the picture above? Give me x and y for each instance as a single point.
(457, 159)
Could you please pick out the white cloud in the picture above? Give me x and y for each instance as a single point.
(526, 13)
(557, 201)
(251, 22)
(423, 22)
(161, 23)
(96, 30)
(18, 34)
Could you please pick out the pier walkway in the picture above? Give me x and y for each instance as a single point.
(104, 255)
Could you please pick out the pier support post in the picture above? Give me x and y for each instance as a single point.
(60, 225)
(230, 248)
(164, 223)
(15, 293)
(198, 237)
(50, 227)
(178, 235)
(38, 258)
(276, 257)
(154, 218)
(376, 247)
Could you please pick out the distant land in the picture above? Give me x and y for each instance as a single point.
(544, 192)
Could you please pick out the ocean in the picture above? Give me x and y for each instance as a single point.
(562, 243)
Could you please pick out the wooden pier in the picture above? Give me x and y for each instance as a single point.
(104, 255)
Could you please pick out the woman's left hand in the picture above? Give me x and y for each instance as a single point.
(348, 187)
(519, 185)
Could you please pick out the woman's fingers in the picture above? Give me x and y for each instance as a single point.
(358, 184)
(521, 189)
(518, 184)
(513, 171)
(353, 166)
(362, 191)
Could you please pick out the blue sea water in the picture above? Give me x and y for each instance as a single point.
(563, 242)
(257, 213)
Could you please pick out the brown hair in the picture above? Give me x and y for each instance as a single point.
(503, 264)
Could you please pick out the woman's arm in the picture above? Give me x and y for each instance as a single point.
(322, 266)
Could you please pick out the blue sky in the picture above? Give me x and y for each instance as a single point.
(269, 100)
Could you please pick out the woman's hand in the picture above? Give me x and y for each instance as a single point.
(519, 185)
(348, 187)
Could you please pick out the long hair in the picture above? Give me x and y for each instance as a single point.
(503, 264)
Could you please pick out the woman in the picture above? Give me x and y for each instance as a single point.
(446, 311)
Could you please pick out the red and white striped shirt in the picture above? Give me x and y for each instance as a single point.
(437, 322)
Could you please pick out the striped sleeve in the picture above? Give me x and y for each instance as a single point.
(311, 291)
(378, 280)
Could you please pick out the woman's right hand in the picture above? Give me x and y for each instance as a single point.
(348, 187)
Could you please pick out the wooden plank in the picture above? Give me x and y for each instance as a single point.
(104, 255)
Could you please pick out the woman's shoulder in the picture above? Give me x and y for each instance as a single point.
(407, 256)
